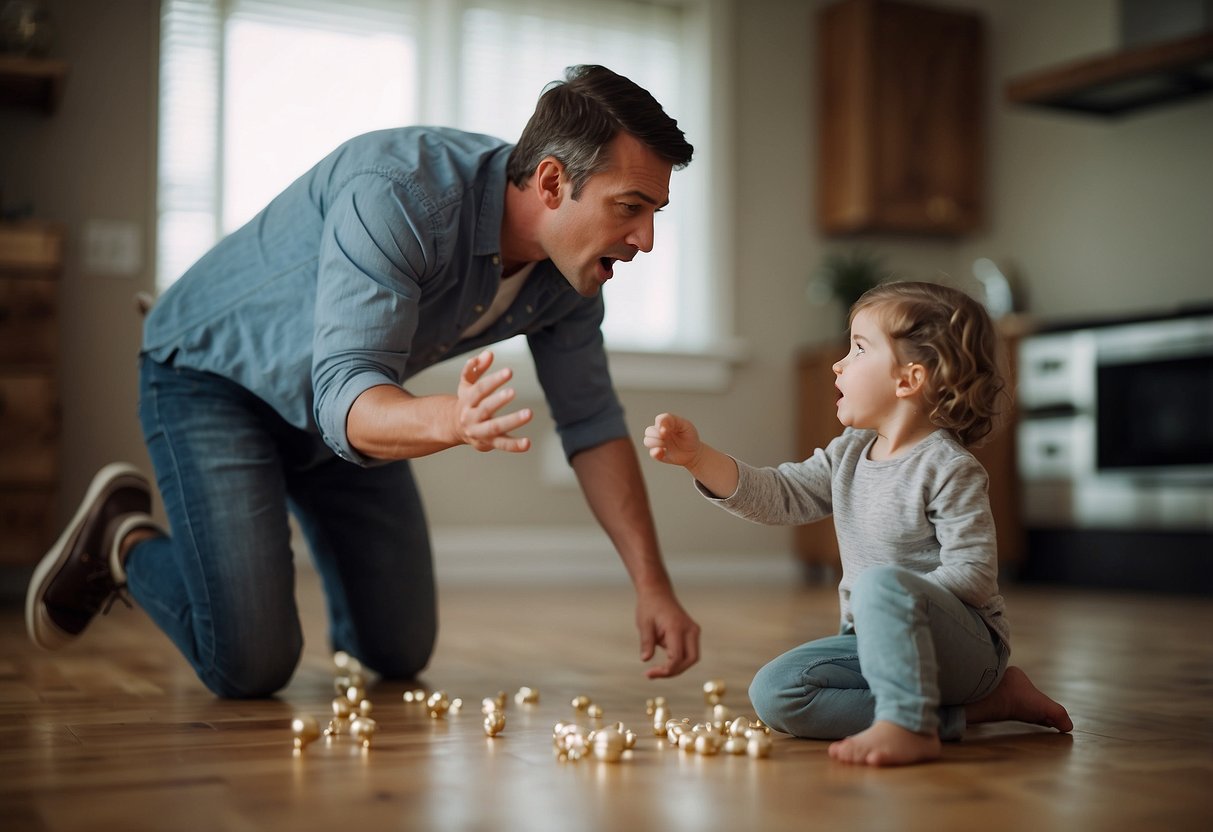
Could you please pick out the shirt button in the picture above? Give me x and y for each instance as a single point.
(496, 259)
(529, 309)
(477, 309)
(509, 319)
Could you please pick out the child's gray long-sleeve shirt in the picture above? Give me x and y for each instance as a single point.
(926, 510)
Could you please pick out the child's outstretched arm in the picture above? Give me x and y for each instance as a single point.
(675, 441)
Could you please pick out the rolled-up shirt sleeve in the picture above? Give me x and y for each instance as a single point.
(374, 253)
(571, 362)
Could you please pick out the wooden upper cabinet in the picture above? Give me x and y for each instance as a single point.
(900, 118)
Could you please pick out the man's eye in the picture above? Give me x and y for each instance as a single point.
(630, 207)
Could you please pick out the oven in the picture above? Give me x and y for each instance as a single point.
(1115, 440)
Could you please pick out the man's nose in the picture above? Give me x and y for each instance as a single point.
(642, 235)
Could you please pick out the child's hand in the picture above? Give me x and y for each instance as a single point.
(672, 439)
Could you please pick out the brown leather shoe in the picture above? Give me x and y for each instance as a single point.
(73, 581)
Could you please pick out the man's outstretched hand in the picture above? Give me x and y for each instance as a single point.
(663, 622)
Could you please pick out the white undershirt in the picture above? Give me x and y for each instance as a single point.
(507, 291)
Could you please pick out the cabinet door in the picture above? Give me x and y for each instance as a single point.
(900, 118)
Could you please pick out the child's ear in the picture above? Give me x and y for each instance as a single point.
(911, 378)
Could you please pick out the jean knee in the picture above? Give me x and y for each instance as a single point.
(251, 672)
(775, 695)
(404, 663)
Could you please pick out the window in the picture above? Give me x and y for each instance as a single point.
(254, 92)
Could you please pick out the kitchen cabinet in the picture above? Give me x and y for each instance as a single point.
(817, 423)
(900, 119)
(31, 256)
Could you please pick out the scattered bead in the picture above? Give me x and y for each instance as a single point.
(526, 696)
(713, 691)
(708, 744)
(608, 745)
(494, 723)
(758, 745)
(594, 711)
(660, 717)
(735, 745)
(739, 727)
(362, 729)
(580, 703)
(305, 730)
(438, 704)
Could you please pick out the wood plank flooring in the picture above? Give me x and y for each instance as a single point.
(115, 732)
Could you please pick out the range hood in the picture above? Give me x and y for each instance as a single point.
(1123, 81)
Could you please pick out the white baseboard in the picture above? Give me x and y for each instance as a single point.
(583, 555)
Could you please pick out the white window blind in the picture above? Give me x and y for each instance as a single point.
(255, 92)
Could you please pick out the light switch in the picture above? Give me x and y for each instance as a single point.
(112, 248)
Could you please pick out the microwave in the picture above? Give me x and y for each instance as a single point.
(1116, 425)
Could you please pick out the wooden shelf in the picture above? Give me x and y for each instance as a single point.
(1120, 82)
(34, 83)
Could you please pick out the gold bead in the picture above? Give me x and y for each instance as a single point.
(346, 663)
(735, 745)
(713, 691)
(739, 726)
(488, 705)
(438, 704)
(362, 729)
(494, 723)
(526, 696)
(649, 705)
(629, 740)
(415, 695)
(580, 703)
(660, 717)
(707, 744)
(305, 730)
(365, 707)
(355, 695)
(674, 731)
(594, 711)
(608, 745)
(456, 705)
(686, 741)
(758, 745)
(341, 707)
(721, 713)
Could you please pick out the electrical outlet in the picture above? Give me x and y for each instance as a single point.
(112, 248)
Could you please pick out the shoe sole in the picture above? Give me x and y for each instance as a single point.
(41, 628)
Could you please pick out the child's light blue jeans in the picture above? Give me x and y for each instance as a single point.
(222, 587)
(916, 657)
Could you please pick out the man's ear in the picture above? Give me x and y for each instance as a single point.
(910, 380)
(549, 181)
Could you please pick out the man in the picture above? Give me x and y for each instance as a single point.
(271, 380)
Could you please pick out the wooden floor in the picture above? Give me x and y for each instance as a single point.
(115, 733)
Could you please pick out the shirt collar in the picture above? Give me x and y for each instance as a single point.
(492, 204)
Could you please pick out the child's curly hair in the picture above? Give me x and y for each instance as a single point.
(952, 336)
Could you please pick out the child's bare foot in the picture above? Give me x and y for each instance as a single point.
(1017, 698)
(886, 744)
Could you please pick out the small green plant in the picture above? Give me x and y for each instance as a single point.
(845, 275)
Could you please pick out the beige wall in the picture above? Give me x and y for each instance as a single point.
(1095, 216)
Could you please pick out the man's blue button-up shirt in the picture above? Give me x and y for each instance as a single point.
(365, 271)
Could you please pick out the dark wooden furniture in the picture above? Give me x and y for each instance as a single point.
(31, 256)
(900, 118)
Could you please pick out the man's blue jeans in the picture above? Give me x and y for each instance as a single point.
(222, 586)
(917, 656)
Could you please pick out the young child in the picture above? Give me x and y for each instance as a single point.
(924, 643)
